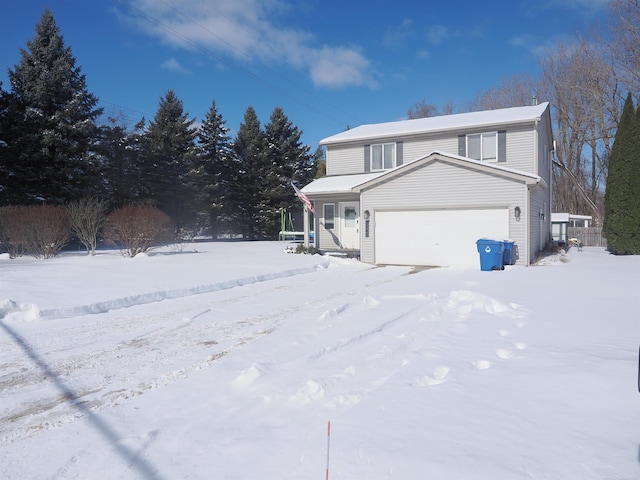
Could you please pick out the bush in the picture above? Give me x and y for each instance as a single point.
(48, 230)
(311, 250)
(40, 230)
(87, 216)
(137, 229)
(13, 231)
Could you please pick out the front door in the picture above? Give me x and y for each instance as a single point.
(350, 226)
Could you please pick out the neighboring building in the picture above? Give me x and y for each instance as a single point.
(421, 192)
(560, 223)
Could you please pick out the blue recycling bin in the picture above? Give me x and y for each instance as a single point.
(491, 254)
(508, 254)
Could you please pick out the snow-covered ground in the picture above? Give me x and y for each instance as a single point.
(228, 362)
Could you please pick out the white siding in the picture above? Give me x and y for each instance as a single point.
(418, 148)
(440, 185)
(345, 159)
(521, 150)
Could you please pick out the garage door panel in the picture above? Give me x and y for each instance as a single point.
(436, 237)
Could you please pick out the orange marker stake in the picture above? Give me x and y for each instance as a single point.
(328, 445)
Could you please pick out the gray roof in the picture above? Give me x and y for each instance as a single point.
(503, 116)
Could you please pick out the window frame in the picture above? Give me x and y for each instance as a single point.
(481, 137)
(327, 225)
(383, 147)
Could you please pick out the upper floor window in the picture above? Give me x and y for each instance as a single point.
(483, 146)
(383, 156)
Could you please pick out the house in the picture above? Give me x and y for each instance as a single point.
(422, 191)
(560, 223)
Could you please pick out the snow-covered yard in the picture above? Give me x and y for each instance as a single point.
(228, 362)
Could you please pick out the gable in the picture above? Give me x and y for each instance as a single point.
(456, 161)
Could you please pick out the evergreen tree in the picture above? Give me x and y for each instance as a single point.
(249, 147)
(55, 118)
(216, 172)
(121, 156)
(169, 153)
(622, 197)
(7, 138)
(286, 160)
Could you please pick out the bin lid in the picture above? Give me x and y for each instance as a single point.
(488, 240)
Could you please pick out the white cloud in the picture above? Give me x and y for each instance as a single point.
(248, 31)
(437, 34)
(423, 54)
(396, 36)
(338, 67)
(173, 64)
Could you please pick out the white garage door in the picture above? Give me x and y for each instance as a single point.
(436, 237)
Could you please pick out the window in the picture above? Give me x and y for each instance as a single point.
(383, 156)
(329, 216)
(483, 147)
(350, 216)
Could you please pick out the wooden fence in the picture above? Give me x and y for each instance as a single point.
(590, 236)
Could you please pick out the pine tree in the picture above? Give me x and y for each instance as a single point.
(622, 196)
(249, 147)
(55, 115)
(216, 172)
(7, 159)
(121, 156)
(287, 160)
(169, 153)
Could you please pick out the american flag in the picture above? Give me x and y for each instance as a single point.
(304, 199)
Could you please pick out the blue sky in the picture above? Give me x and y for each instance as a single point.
(327, 63)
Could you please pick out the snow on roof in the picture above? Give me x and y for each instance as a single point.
(501, 116)
(565, 217)
(339, 183)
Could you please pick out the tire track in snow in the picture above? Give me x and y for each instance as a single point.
(151, 346)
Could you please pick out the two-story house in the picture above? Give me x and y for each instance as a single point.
(423, 191)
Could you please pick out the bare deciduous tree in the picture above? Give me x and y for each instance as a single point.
(86, 217)
(516, 91)
(422, 109)
(625, 44)
(579, 81)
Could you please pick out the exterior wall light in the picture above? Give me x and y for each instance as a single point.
(367, 216)
(517, 213)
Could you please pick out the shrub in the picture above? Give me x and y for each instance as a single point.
(13, 231)
(48, 230)
(86, 217)
(137, 229)
(40, 230)
(311, 250)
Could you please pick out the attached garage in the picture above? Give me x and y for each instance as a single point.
(443, 237)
